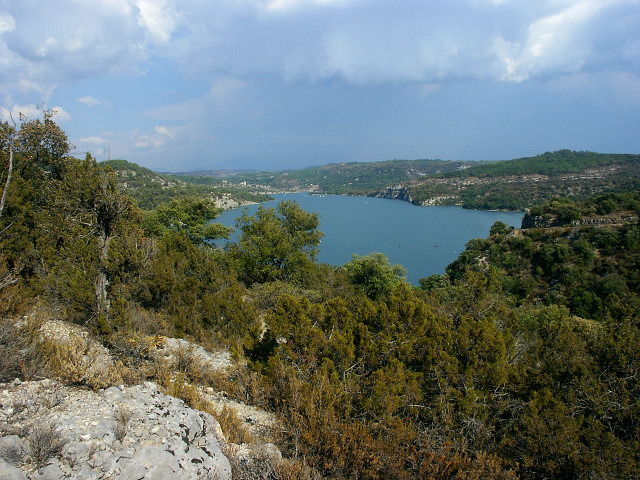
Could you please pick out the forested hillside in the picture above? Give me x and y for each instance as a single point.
(350, 178)
(517, 184)
(149, 189)
(506, 185)
(520, 361)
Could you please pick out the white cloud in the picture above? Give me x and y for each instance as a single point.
(428, 88)
(555, 42)
(89, 101)
(226, 86)
(28, 86)
(32, 112)
(145, 141)
(163, 131)
(45, 44)
(93, 140)
(47, 47)
(17, 111)
(294, 5)
(7, 23)
(56, 42)
(60, 114)
(378, 42)
(158, 17)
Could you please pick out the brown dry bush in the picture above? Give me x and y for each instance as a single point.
(263, 465)
(74, 362)
(176, 385)
(45, 442)
(239, 383)
(186, 363)
(122, 415)
(20, 356)
(14, 296)
(232, 426)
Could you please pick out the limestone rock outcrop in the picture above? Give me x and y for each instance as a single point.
(397, 192)
(119, 433)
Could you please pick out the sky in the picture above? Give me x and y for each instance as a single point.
(180, 85)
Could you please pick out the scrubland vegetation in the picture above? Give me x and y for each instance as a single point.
(521, 361)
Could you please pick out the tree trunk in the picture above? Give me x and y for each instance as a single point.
(8, 181)
(101, 281)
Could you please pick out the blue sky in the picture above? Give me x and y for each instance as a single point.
(178, 85)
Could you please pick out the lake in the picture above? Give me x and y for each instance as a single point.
(422, 239)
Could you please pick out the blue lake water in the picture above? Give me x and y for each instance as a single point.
(422, 239)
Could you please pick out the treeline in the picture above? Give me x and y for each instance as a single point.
(521, 361)
(549, 163)
(567, 210)
(591, 270)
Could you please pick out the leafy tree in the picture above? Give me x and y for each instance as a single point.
(189, 214)
(195, 288)
(96, 205)
(33, 158)
(277, 243)
(7, 134)
(499, 228)
(374, 274)
(42, 148)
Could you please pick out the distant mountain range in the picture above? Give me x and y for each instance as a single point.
(507, 185)
(220, 173)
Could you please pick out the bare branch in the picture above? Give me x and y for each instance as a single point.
(8, 279)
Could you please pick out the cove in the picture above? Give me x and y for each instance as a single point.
(422, 239)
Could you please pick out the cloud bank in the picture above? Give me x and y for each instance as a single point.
(232, 46)
(356, 41)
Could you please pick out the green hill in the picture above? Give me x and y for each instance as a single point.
(581, 255)
(352, 178)
(519, 183)
(149, 189)
(506, 185)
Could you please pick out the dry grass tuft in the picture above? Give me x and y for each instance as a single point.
(234, 429)
(45, 442)
(122, 416)
(76, 362)
(261, 464)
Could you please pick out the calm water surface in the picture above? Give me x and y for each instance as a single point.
(422, 239)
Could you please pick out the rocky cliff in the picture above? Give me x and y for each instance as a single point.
(397, 192)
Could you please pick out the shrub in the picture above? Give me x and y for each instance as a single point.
(261, 464)
(76, 362)
(122, 416)
(45, 442)
(20, 357)
(232, 426)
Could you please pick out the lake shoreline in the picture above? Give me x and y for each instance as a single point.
(408, 236)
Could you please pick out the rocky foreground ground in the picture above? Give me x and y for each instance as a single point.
(53, 431)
